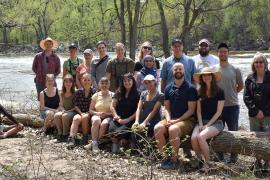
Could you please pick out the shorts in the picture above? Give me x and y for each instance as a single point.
(185, 127)
(218, 124)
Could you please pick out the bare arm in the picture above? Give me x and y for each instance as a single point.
(138, 112)
(240, 86)
(167, 110)
(92, 108)
(189, 112)
(162, 85)
(199, 114)
(113, 106)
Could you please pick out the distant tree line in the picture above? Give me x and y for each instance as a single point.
(244, 24)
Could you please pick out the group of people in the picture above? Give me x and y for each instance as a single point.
(115, 96)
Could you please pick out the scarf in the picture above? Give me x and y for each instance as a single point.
(145, 71)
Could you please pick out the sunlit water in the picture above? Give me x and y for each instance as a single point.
(17, 80)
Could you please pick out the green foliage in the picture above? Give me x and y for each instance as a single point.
(244, 24)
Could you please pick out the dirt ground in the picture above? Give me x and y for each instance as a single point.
(29, 156)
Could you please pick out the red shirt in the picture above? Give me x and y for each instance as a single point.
(53, 67)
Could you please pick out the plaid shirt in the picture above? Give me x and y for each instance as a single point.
(53, 67)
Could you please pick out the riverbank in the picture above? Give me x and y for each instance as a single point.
(29, 156)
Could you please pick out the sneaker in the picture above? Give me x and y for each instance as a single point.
(266, 167)
(71, 143)
(85, 139)
(65, 138)
(88, 146)
(187, 153)
(218, 156)
(115, 148)
(95, 148)
(256, 166)
(171, 165)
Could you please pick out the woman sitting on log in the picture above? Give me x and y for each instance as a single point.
(148, 112)
(209, 109)
(81, 100)
(257, 99)
(101, 113)
(63, 118)
(49, 104)
(123, 108)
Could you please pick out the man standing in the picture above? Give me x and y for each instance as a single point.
(119, 66)
(98, 66)
(180, 105)
(70, 65)
(204, 59)
(45, 62)
(166, 75)
(232, 83)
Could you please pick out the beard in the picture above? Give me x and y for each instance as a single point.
(203, 53)
(178, 75)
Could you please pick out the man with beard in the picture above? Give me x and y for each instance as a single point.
(166, 75)
(204, 59)
(232, 83)
(180, 104)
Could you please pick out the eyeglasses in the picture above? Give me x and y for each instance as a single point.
(258, 62)
(149, 48)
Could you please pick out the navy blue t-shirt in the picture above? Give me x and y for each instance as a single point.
(179, 98)
(209, 105)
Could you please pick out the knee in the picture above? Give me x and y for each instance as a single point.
(174, 130)
(201, 137)
(49, 114)
(96, 122)
(57, 116)
(194, 137)
(77, 119)
(159, 129)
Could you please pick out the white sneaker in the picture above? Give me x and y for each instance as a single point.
(95, 148)
(88, 146)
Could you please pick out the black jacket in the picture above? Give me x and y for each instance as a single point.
(257, 97)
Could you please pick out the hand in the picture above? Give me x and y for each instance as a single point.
(122, 121)
(103, 115)
(116, 118)
(135, 125)
(143, 124)
(260, 115)
(171, 122)
(204, 127)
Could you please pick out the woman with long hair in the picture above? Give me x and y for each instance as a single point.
(81, 100)
(100, 112)
(209, 109)
(49, 104)
(123, 108)
(63, 118)
(257, 99)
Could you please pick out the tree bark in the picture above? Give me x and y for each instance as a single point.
(121, 19)
(164, 30)
(246, 143)
(26, 119)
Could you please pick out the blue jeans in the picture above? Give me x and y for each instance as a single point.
(230, 116)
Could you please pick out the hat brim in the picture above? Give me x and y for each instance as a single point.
(196, 77)
(42, 44)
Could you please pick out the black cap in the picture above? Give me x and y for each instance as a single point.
(72, 46)
(176, 40)
(223, 45)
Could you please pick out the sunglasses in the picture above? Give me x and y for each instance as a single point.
(258, 62)
(149, 48)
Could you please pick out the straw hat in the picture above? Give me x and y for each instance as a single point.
(207, 70)
(42, 43)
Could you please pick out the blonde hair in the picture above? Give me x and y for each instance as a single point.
(261, 56)
(147, 44)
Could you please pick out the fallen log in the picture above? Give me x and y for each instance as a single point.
(256, 144)
(26, 120)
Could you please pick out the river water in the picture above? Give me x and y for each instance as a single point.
(17, 84)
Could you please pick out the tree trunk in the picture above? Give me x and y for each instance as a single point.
(164, 30)
(26, 119)
(5, 35)
(241, 142)
(121, 19)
